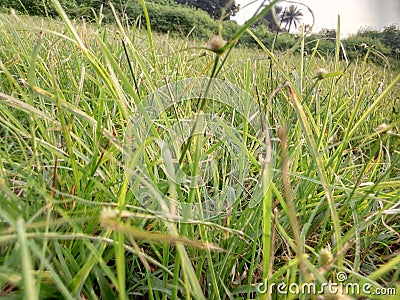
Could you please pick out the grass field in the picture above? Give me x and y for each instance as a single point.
(313, 198)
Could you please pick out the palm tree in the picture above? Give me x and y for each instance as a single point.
(292, 16)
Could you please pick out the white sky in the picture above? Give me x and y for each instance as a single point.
(354, 14)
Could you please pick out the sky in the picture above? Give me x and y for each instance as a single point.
(354, 14)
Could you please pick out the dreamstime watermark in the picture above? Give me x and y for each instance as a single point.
(332, 288)
(162, 126)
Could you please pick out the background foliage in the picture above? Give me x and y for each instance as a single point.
(67, 93)
(197, 18)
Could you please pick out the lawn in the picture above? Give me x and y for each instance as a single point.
(137, 165)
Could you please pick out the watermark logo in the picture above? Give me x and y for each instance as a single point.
(341, 287)
(157, 138)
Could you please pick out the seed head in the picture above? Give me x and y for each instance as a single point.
(321, 72)
(217, 43)
(384, 128)
(324, 257)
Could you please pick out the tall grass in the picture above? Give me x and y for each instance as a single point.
(71, 225)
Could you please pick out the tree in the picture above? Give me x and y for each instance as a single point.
(214, 8)
(370, 33)
(272, 19)
(291, 16)
(391, 36)
(328, 33)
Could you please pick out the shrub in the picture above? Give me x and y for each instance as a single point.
(165, 15)
(40, 8)
(326, 44)
(229, 28)
(179, 19)
(358, 46)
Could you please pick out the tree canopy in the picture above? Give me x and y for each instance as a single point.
(292, 16)
(272, 19)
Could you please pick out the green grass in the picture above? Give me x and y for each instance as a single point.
(71, 222)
